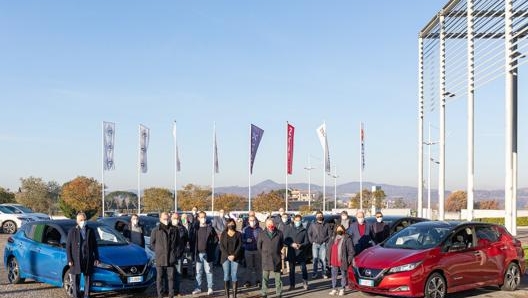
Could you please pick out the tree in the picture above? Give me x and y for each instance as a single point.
(456, 201)
(368, 197)
(38, 195)
(127, 200)
(268, 202)
(305, 209)
(6, 196)
(157, 199)
(230, 202)
(488, 204)
(399, 203)
(81, 194)
(192, 195)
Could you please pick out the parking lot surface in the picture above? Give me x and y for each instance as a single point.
(318, 287)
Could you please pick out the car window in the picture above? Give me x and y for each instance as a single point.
(28, 230)
(486, 235)
(38, 232)
(401, 225)
(108, 236)
(463, 236)
(13, 210)
(417, 237)
(51, 235)
(6, 210)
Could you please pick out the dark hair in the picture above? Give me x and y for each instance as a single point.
(230, 220)
(298, 216)
(342, 227)
(134, 215)
(202, 212)
(318, 212)
(344, 212)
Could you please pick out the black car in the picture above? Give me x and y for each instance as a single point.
(330, 219)
(120, 223)
(396, 222)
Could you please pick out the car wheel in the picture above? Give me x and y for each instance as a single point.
(435, 287)
(9, 227)
(67, 284)
(13, 271)
(512, 278)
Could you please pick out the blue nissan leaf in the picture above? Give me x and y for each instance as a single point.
(37, 251)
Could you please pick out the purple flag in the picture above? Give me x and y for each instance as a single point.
(256, 136)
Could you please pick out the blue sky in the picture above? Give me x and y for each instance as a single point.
(66, 66)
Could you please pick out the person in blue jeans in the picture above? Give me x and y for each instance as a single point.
(230, 255)
(204, 248)
(318, 234)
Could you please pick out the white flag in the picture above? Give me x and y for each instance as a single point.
(144, 135)
(178, 168)
(321, 132)
(108, 145)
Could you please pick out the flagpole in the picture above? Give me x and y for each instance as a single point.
(214, 168)
(175, 167)
(324, 167)
(102, 169)
(360, 166)
(286, 189)
(139, 170)
(249, 171)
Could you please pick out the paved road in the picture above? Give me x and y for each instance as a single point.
(318, 287)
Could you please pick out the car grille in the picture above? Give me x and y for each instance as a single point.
(132, 270)
(370, 273)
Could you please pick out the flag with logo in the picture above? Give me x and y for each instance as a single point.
(362, 136)
(176, 145)
(108, 145)
(216, 168)
(290, 133)
(144, 135)
(256, 136)
(321, 132)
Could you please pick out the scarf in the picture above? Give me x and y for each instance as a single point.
(338, 240)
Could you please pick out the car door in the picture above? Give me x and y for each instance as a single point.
(24, 246)
(460, 259)
(52, 254)
(488, 244)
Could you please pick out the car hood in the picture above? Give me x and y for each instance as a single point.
(123, 255)
(380, 257)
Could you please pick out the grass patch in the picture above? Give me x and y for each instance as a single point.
(525, 248)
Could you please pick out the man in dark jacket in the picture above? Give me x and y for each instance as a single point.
(135, 231)
(361, 233)
(282, 225)
(296, 239)
(380, 229)
(270, 244)
(187, 223)
(163, 241)
(180, 243)
(82, 254)
(250, 235)
(205, 244)
(318, 233)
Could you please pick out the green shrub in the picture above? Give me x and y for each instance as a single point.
(521, 221)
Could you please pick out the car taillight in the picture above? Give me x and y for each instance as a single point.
(10, 240)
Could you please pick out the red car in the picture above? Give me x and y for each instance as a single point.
(434, 258)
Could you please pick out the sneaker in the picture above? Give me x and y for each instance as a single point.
(305, 285)
(341, 292)
(314, 275)
(196, 291)
(333, 292)
(325, 276)
(210, 292)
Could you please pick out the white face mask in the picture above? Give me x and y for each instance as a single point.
(344, 217)
(174, 222)
(82, 224)
(379, 219)
(202, 221)
(361, 220)
(284, 220)
(252, 223)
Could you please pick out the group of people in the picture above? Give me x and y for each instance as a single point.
(267, 252)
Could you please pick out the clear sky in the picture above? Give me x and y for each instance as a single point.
(66, 66)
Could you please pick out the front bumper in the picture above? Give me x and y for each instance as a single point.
(405, 284)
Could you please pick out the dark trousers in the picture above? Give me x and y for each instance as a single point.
(304, 272)
(76, 278)
(161, 272)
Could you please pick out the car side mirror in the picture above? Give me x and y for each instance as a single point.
(457, 246)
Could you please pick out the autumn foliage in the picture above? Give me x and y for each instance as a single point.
(81, 194)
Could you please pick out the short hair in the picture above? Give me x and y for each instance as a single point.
(344, 212)
(134, 215)
(81, 213)
(269, 220)
(318, 212)
(201, 212)
(360, 211)
(252, 217)
(379, 212)
(297, 216)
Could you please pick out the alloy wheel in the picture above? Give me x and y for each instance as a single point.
(435, 287)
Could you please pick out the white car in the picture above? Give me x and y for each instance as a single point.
(23, 210)
(11, 222)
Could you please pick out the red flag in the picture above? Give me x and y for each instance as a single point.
(289, 137)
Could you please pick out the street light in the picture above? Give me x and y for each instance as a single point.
(335, 176)
(431, 160)
(309, 169)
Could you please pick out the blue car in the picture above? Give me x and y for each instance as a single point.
(37, 251)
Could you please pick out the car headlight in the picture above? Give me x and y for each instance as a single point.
(406, 267)
(152, 262)
(104, 266)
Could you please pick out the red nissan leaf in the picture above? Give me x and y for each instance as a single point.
(433, 258)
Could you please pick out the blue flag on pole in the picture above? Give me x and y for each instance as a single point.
(256, 136)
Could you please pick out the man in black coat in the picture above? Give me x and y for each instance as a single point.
(269, 245)
(296, 239)
(135, 231)
(82, 253)
(163, 241)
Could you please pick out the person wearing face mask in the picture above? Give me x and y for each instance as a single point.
(163, 241)
(180, 242)
(318, 234)
(296, 239)
(250, 235)
(340, 255)
(187, 223)
(82, 254)
(219, 224)
(343, 220)
(205, 242)
(283, 225)
(380, 229)
(269, 245)
(231, 254)
(245, 221)
(361, 233)
(135, 232)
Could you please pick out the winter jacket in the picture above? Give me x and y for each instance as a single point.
(360, 242)
(347, 251)
(75, 246)
(226, 249)
(270, 248)
(135, 236)
(211, 242)
(380, 232)
(319, 232)
(297, 235)
(163, 240)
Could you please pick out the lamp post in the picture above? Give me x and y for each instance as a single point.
(431, 160)
(309, 168)
(335, 176)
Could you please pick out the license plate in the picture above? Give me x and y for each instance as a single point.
(366, 282)
(134, 279)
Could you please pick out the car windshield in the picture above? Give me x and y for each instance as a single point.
(107, 236)
(417, 237)
(25, 209)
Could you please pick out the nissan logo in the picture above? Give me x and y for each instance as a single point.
(133, 270)
(368, 272)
